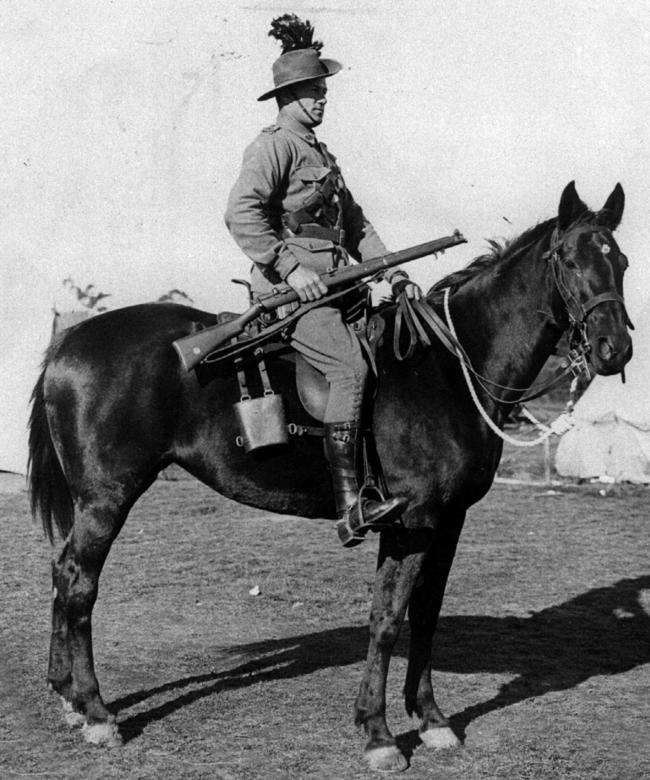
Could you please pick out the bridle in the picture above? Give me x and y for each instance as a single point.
(576, 310)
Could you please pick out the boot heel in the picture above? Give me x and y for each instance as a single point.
(358, 512)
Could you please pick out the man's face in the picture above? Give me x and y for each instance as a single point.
(306, 102)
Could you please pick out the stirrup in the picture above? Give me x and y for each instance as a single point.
(352, 527)
(348, 537)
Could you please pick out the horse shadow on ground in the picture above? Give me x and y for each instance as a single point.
(604, 631)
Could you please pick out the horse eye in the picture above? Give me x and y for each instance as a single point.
(571, 264)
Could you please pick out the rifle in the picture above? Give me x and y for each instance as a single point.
(194, 348)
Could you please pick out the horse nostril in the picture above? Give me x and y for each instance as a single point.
(606, 350)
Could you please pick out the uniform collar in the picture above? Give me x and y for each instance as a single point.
(293, 125)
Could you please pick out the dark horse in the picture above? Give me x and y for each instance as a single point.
(113, 407)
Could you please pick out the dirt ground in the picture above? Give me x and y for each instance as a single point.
(541, 657)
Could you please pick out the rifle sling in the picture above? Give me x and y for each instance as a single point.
(268, 333)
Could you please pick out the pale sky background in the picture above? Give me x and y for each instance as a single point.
(123, 125)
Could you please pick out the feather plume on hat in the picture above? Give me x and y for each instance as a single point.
(293, 33)
(300, 59)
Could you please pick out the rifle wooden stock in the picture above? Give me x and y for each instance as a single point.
(193, 348)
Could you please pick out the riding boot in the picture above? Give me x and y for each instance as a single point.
(357, 514)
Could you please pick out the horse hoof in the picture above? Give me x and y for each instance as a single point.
(439, 738)
(386, 759)
(103, 734)
(72, 718)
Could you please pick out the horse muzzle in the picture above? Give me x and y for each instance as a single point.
(610, 353)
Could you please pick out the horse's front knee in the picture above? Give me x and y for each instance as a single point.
(384, 631)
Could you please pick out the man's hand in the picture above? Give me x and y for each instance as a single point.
(306, 283)
(404, 284)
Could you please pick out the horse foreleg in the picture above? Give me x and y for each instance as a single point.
(71, 671)
(400, 559)
(424, 608)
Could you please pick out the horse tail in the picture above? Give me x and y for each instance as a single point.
(49, 492)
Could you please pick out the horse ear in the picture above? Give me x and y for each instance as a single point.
(571, 207)
(611, 213)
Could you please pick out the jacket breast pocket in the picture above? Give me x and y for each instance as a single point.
(316, 184)
(312, 174)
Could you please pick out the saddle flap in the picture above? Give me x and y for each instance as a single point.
(375, 330)
(312, 387)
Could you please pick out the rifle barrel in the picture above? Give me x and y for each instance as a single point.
(193, 348)
(351, 273)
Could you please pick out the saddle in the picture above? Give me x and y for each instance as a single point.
(311, 386)
(262, 419)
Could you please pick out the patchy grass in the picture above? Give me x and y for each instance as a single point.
(540, 658)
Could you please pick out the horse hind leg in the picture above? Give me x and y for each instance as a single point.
(59, 675)
(75, 578)
(424, 608)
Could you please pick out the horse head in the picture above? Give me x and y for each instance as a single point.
(587, 267)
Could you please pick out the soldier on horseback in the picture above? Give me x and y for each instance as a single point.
(293, 216)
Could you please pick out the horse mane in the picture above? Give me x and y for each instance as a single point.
(500, 250)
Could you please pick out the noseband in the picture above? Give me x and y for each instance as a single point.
(577, 311)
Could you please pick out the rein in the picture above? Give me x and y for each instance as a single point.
(415, 312)
(562, 424)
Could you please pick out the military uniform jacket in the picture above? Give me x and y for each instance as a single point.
(281, 170)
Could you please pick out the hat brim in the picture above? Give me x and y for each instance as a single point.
(332, 67)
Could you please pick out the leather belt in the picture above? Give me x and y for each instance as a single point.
(336, 235)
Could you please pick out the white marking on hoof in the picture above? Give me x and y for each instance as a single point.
(72, 718)
(55, 593)
(439, 738)
(104, 734)
(386, 759)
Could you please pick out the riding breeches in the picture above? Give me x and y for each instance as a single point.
(331, 347)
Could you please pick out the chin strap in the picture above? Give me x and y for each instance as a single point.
(310, 118)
